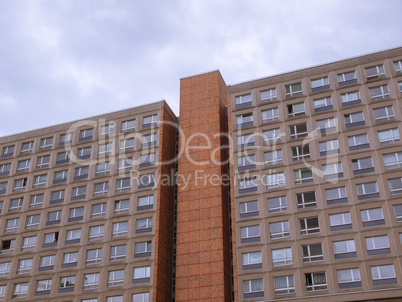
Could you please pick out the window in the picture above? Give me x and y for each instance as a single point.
(253, 288)
(36, 201)
(123, 185)
(392, 160)
(400, 86)
(279, 229)
(362, 165)
(91, 281)
(344, 249)
(28, 243)
(78, 193)
(284, 285)
(114, 299)
(120, 228)
(7, 246)
(86, 134)
(358, 142)
(96, 232)
(39, 181)
(332, 170)
(275, 180)
(121, 206)
(105, 149)
(20, 290)
(395, 186)
(53, 217)
(27, 147)
(145, 201)
(12, 225)
(148, 140)
(142, 274)
(377, 245)
(5, 268)
(272, 135)
(293, 89)
(102, 168)
(146, 180)
(319, 84)
(268, 95)
(246, 140)
(309, 226)
(297, 131)
(354, 119)
(50, 239)
(316, 281)
(125, 164)
(1, 206)
(347, 78)
(398, 66)
(336, 195)
(25, 266)
(147, 160)
(107, 129)
(32, 221)
(118, 253)
(303, 175)
(67, 283)
(244, 120)
(383, 274)
(5, 169)
(367, 190)
(246, 162)
(23, 165)
(349, 278)
(270, 115)
(142, 225)
(389, 136)
(81, 172)
(62, 157)
(101, 189)
(60, 176)
(371, 217)
(326, 125)
(300, 152)
(126, 144)
(8, 151)
(143, 297)
(281, 256)
(252, 260)
(243, 100)
(3, 187)
(44, 286)
(323, 104)
(340, 221)
(2, 292)
(312, 252)
(66, 139)
(306, 200)
(249, 208)
(43, 161)
(16, 204)
(57, 196)
(350, 98)
(273, 157)
(93, 256)
(379, 92)
(98, 210)
(375, 72)
(149, 121)
(76, 214)
(70, 259)
(383, 114)
(250, 234)
(127, 126)
(247, 185)
(398, 212)
(73, 236)
(115, 278)
(277, 204)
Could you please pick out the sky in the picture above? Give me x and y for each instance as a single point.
(64, 60)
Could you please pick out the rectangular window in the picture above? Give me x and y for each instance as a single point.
(118, 253)
(347, 78)
(16, 204)
(57, 196)
(279, 229)
(302, 176)
(374, 72)
(5, 169)
(53, 217)
(73, 236)
(5, 268)
(8, 151)
(123, 185)
(250, 234)
(150, 121)
(70, 259)
(367, 190)
(248, 209)
(98, 210)
(78, 193)
(348, 278)
(246, 140)
(43, 286)
(3, 187)
(43, 161)
(127, 144)
(2, 292)
(379, 92)
(333, 170)
(336, 195)
(319, 84)
(398, 66)
(326, 125)
(284, 285)
(277, 204)
(377, 245)
(23, 165)
(60, 176)
(115, 278)
(96, 232)
(350, 98)
(65, 139)
(392, 160)
(293, 89)
(253, 288)
(7, 246)
(398, 212)
(67, 283)
(105, 149)
(299, 130)
(50, 239)
(146, 180)
(247, 185)
(47, 262)
(107, 129)
(36, 201)
(384, 114)
(27, 147)
(141, 273)
(143, 249)
(84, 153)
(86, 134)
(93, 256)
(28, 243)
(362, 165)
(127, 126)
(91, 281)
(272, 135)
(306, 200)
(268, 95)
(125, 164)
(323, 104)
(102, 168)
(12, 225)
(389, 136)
(147, 160)
(32, 221)
(20, 290)
(316, 281)
(101, 189)
(372, 217)
(300, 152)
(309, 226)
(252, 260)
(39, 181)
(281, 257)
(275, 180)
(246, 162)
(344, 249)
(244, 120)
(121, 206)
(120, 229)
(273, 157)
(62, 157)
(395, 186)
(145, 202)
(117, 299)
(383, 274)
(358, 142)
(148, 140)
(143, 225)
(243, 100)
(354, 119)
(312, 252)
(341, 221)
(81, 172)
(400, 86)
(270, 115)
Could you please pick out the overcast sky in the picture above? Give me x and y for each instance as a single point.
(63, 60)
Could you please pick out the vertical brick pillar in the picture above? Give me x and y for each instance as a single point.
(203, 247)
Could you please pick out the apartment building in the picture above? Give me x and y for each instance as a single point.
(284, 188)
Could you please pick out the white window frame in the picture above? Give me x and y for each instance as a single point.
(389, 113)
(315, 83)
(379, 92)
(375, 245)
(393, 136)
(363, 187)
(309, 230)
(275, 180)
(350, 96)
(285, 230)
(275, 137)
(90, 281)
(113, 278)
(309, 257)
(318, 286)
(286, 260)
(95, 260)
(24, 266)
(289, 89)
(245, 231)
(119, 225)
(96, 232)
(378, 275)
(251, 258)
(343, 217)
(302, 179)
(370, 212)
(268, 95)
(354, 275)
(378, 69)
(288, 289)
(272, 114)
(324, 101)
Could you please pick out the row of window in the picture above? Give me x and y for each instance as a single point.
(310, 225)
(319, 84)
(317, 281)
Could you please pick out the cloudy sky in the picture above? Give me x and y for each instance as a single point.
(62, 60)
